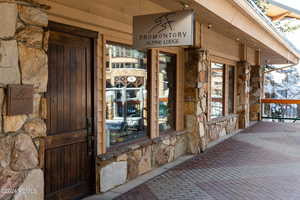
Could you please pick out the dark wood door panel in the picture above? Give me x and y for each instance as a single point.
(68, 89)
(59, 140)
(69, 165)
(69, 40)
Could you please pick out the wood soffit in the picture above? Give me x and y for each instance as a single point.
(122, 13)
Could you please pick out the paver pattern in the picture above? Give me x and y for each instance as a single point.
(260, 163)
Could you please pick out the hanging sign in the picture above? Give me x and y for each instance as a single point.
(164, 29)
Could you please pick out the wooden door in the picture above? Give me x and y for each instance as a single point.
(69, 166)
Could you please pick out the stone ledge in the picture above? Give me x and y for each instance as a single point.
(168, 136)
(115, 152)
(137, 145)
(222, 119)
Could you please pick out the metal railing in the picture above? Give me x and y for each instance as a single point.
(282, 110)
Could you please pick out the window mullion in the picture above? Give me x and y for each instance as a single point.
(225, 87)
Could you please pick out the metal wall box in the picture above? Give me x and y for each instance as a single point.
(19, 99)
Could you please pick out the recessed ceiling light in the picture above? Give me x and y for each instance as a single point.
(184, 5)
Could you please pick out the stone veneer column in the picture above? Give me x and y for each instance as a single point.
(23, 60)
(256, 85)
(196, 94)
(243, 84)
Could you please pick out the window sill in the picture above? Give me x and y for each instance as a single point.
(117, 150)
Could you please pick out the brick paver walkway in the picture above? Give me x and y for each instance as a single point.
(261, 163)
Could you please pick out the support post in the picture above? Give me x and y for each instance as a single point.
(243, 83)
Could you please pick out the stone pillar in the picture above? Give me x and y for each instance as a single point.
(23, 60)
(243, 84)
(256, 86)
(196, 94)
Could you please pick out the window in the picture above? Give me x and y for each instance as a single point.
(218, 83)
(222, 90)
(167, 92)
(117, 51)
(122, 52)
(217, 90)
(127, 103)
(128, 52)
(107, 65)
(231, 78)
(126, 96)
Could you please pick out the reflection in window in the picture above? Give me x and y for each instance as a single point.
(217, 90)
(231, 89)
(126, 94)
(167, 92)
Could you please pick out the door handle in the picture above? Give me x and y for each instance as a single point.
(89, 125)
(90, 145)
(90, 136)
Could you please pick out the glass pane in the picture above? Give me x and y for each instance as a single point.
(231, 90)
(217, 73)
(167, 92)
(126, 94)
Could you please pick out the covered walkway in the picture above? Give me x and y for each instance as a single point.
(262, 162)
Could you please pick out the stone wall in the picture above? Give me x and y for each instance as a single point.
(23, 60)
(243, 89)
(256, 92)
(202, 131)
(129, 162)
(220, 127)
(196, 97)
(118, 167)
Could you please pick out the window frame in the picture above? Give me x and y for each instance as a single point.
(147, 134)
(223, 89)
(234, 88)
(226, 63)
(163, 51)
(179, 107)
(152, 66)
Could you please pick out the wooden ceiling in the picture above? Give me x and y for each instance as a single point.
(117, 10)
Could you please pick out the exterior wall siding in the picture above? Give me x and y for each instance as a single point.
(219, 45)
